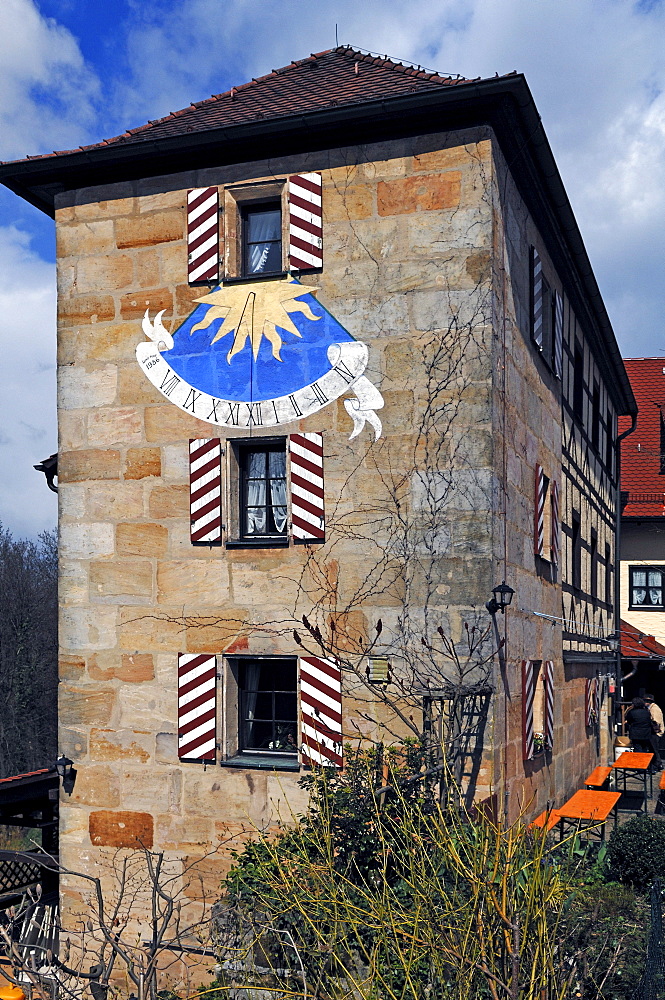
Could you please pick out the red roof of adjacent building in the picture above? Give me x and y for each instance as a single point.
(641, 476)
(635, 644)
(333, 78)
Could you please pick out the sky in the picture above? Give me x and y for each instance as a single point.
(75, 71)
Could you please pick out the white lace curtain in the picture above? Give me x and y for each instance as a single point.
(647, 587)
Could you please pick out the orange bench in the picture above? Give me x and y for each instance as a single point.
(547, 820)
(598, 778)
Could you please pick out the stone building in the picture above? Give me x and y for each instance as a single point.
(330, 345)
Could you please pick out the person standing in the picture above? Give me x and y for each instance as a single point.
(658, 728)
(639, 726)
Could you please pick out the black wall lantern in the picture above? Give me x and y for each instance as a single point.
(65, 768)
(503, 595)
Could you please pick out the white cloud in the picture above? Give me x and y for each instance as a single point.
(27, 400)
(47, 90)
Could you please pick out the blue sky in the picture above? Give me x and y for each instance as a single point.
(77, 71)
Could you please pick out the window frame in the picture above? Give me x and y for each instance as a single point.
(237, 753)
(635, 568)
(238, 450)
(249, 208)
(237, 199)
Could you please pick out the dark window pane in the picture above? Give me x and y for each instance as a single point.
(277, 464)
(285, 706)
(268, 706)
(262, 240)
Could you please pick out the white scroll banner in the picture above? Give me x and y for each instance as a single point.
(348, 361)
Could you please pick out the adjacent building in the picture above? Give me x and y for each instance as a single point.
(643, 534)
(332, 365)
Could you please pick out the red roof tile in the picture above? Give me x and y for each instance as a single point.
(635, 644)
(641, 475)
(337, 77)
(28, 774)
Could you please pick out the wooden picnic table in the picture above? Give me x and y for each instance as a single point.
(588, 808)
(635, 765)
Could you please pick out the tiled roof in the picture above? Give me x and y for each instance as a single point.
(337, 77)
(641, 477)
(635, 644)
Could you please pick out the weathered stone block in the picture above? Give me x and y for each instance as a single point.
(114, 426)
(134, 304)
(94, 274)
(169, 501)
(96, 786)
(88, 205)
(121, 744)
(121, 829)
(348, 201)
(80, 310)
(81, 238)
(141, 540)
(134, 668)
(175, 462)
(78, 389)
(121, 578)
(168, 423)
(142, 462)
(144, 628)
(146, 230)
(134, 389)
(91, 463)
(160, 200)
(71, 668)
(87, 628)
(188, 582)
(419, 194)
(83, 708)
(86, 541)
(118, 501)
(216, 633)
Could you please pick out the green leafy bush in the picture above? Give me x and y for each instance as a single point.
(636, 852)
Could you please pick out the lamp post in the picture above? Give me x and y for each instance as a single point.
(503, 595)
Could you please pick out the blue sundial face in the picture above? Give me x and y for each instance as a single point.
(254, 373)
(259, 354)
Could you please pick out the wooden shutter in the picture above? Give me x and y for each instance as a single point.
(558, 335)
(528, 694)
(321, 711)
(307, 501)
(556, 531)
(548, 710)
(305, 222)
(205, 489)
(197, 706)
(539, 512)
(536, 299)
(202, 235)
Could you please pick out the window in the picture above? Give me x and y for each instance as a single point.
(608, 577)
(268, 707)
(543, 311)
(261, 239)
(595, 416)
(262, 489)
(578, 382)
(593, 584)
(576, 545)
(646, 587)
(609, 442)
(662, 443)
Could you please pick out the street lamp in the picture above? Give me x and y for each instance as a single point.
(503, 595)
(66, 770)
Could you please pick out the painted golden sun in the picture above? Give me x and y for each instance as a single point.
(255, 312)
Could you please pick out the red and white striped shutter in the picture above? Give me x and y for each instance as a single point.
(536, 299)
(528, 694)
(202, 235)
(321, 711)
(539, 513)
(554, 541)
(197, 706)
(305, 222)
(307, 501)
(597, 693)
(205, 489)
(548, 714)
(558, 335)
